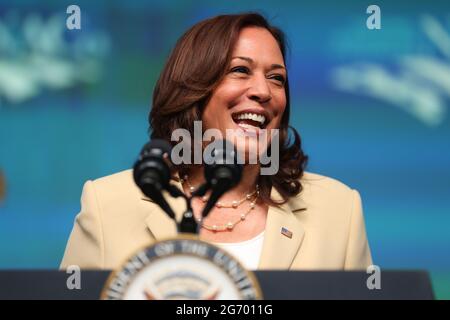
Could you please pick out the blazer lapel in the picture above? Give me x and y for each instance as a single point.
(158, 222)
(283, 235)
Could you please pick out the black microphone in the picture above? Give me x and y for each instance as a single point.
(151, 172)
(222, 172)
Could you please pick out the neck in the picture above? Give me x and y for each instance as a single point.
(247, 184)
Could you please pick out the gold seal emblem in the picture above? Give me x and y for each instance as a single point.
(182, 268)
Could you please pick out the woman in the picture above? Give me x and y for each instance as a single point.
(229, 73)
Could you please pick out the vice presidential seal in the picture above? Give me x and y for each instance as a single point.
(182, 268)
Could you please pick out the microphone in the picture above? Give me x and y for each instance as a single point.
(222, 172)
(151, 172)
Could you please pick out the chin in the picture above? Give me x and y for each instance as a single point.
(248, 150)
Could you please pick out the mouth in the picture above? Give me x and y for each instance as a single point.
(250, 120)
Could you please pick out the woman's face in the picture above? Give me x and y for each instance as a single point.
(252, 94)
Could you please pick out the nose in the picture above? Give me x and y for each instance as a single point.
(259, 89)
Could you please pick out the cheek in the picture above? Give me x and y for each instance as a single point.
(229, 92)
(279, 107)
(214, 114)
(211, 109)
(224, 98)
(210, 119)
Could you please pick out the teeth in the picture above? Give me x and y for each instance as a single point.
(252, 116)
(248, 126)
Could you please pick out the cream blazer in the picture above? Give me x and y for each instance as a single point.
(325, 219)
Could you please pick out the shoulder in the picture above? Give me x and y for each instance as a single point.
(321, 192)
(117, 186)
(119, 179)
(319, 183)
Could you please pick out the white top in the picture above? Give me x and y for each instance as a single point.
(247, 252)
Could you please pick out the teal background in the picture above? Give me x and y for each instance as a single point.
(76, 109)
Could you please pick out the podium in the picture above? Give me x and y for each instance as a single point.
(276, 285)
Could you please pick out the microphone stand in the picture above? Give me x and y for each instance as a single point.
(187, 223)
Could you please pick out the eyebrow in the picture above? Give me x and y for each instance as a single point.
(250, 60)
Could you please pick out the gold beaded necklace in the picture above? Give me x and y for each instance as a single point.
(229, 226)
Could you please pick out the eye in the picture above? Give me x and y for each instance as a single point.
(279, 78)
(240, 69)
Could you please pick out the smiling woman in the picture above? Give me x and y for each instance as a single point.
(238, 70)
(229, 73)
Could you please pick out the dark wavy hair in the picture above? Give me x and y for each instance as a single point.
(195, 68)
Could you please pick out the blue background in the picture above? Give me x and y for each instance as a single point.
(371, 106)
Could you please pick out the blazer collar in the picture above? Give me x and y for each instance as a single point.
(278, 250)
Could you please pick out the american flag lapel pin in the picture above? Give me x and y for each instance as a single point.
(285, 232)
